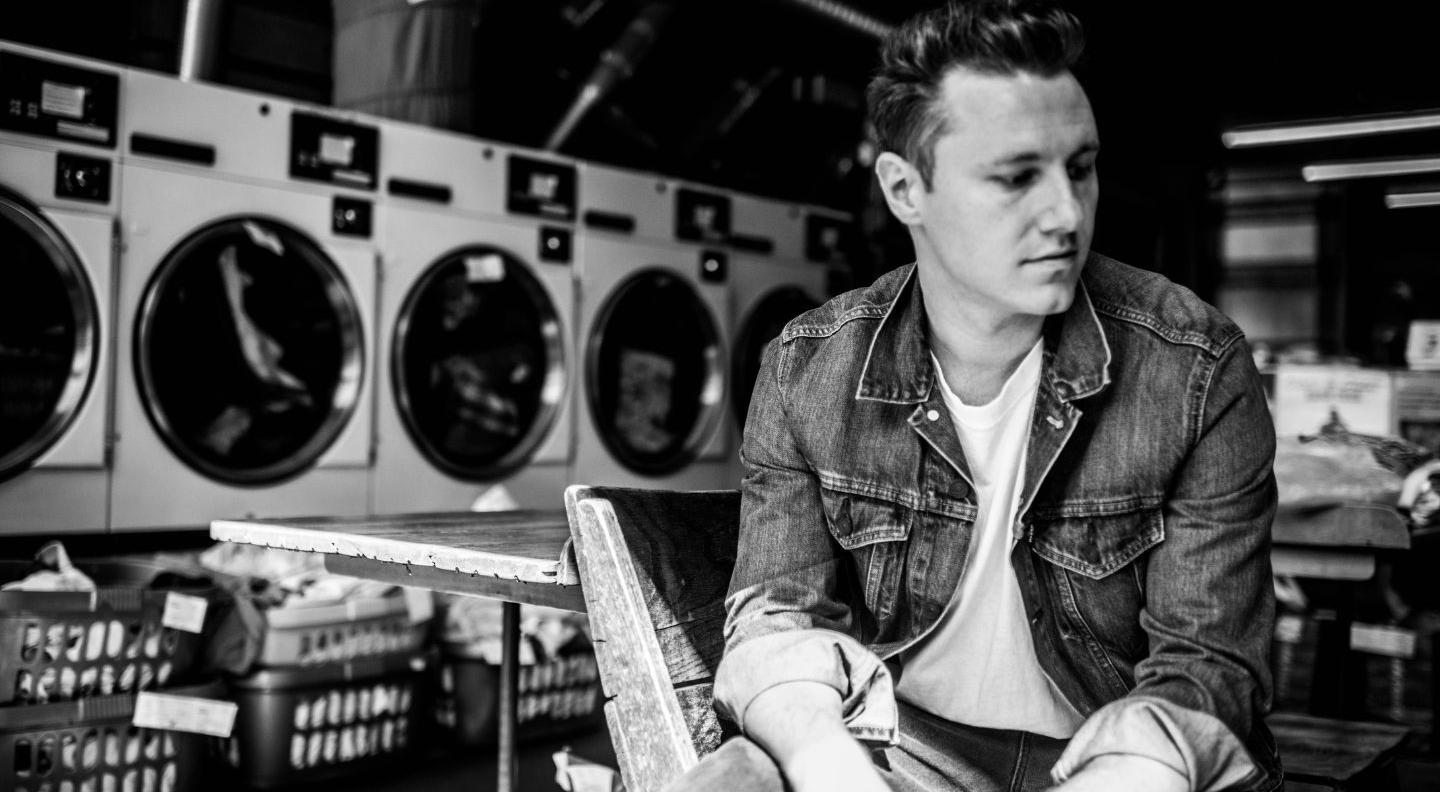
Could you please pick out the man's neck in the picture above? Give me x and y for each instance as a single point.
(979, 354)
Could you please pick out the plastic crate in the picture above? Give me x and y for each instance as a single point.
(559, 696)
(90, 746)
(307, 724)
(320, 634)
(69, 645)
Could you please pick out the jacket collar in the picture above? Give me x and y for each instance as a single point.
(898, 369)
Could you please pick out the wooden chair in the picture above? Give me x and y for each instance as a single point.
(655, 566)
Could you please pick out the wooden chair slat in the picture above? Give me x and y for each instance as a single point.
(655, 566)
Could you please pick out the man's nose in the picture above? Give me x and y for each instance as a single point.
(1065, 211)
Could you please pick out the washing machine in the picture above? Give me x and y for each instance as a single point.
(246, 302)
(780, 267)
(654, 324)
(59, 125)
(474, 361)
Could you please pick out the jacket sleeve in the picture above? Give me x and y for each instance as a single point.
(1209, 597)
(785, 621)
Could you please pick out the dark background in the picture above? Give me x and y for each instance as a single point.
(766, 96)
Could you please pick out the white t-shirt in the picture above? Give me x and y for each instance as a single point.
(978, 666)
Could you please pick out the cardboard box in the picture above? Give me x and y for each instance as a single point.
(1373, 401)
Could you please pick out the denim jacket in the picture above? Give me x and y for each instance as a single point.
(1145, 513)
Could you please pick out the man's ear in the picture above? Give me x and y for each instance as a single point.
(902, 186)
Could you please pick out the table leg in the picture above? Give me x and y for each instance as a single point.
(509, 694)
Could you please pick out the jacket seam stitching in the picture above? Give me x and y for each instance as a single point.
(1203, 402)
(865, 311)
(1164, 331)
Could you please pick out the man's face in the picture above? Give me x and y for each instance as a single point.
(1006, 225)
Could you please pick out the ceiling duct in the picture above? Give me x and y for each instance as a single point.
(846, 16)
(617, 64)
(200, 40)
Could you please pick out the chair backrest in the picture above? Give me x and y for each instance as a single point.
(654, 566)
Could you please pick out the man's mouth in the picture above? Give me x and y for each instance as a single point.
(1059, 255)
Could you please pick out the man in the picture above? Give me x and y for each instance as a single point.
(1015, 499)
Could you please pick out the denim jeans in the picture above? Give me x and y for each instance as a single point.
(932, 755)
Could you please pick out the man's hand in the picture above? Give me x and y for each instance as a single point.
(800, 724)
(1125, 773)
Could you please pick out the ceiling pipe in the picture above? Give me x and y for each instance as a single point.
(200, 40)
(846, 16)
(617, 64)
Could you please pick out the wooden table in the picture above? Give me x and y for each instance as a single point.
(1341, 543)
(513, 556)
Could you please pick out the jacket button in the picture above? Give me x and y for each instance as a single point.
(933, 415)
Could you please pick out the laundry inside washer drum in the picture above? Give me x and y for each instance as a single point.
(249, 351)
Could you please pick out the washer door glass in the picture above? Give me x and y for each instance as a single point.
(248, 351)
(48, 335)
(655, 381)
(478, 365)
(763, 323)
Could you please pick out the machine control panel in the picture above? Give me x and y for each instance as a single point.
(82, 178)
(331, 150)
(555, 245)
(714, 266)
(57, 100)
(540, 188)
(701, 216)
(351, 217)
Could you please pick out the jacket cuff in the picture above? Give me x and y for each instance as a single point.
(867, 692)
(1195, 744)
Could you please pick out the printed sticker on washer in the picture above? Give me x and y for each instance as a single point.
(337, 149)
(484, 269)
(184, 612)
(184, 713)
(58, 99)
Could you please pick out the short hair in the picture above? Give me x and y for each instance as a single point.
(988, 36)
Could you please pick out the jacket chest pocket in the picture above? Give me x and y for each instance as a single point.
(876, 534)
(1095, 568)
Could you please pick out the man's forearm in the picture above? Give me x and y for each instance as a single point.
(801, 726)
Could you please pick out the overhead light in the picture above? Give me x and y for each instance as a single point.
(1364, 169)
(1411, 200)
(1328, 129)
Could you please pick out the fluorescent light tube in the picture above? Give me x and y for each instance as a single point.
(1364, 169)
(1411, 200)
(1329, 129)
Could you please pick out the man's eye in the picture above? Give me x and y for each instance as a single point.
(1016, 180)
(1081, 171)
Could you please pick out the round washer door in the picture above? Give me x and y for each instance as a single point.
(654, 376)
(49, 335)
(248, 351)
(764, 322)
(477, 363)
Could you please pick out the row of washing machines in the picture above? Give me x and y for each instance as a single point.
(216, 303)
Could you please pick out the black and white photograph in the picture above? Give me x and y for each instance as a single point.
(719, 396)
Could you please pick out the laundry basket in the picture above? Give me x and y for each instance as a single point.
(69, 645)
(300, 725)
(91, 745)
(356, 628)
(559, 695)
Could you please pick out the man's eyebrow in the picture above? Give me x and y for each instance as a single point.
(1032, 157)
